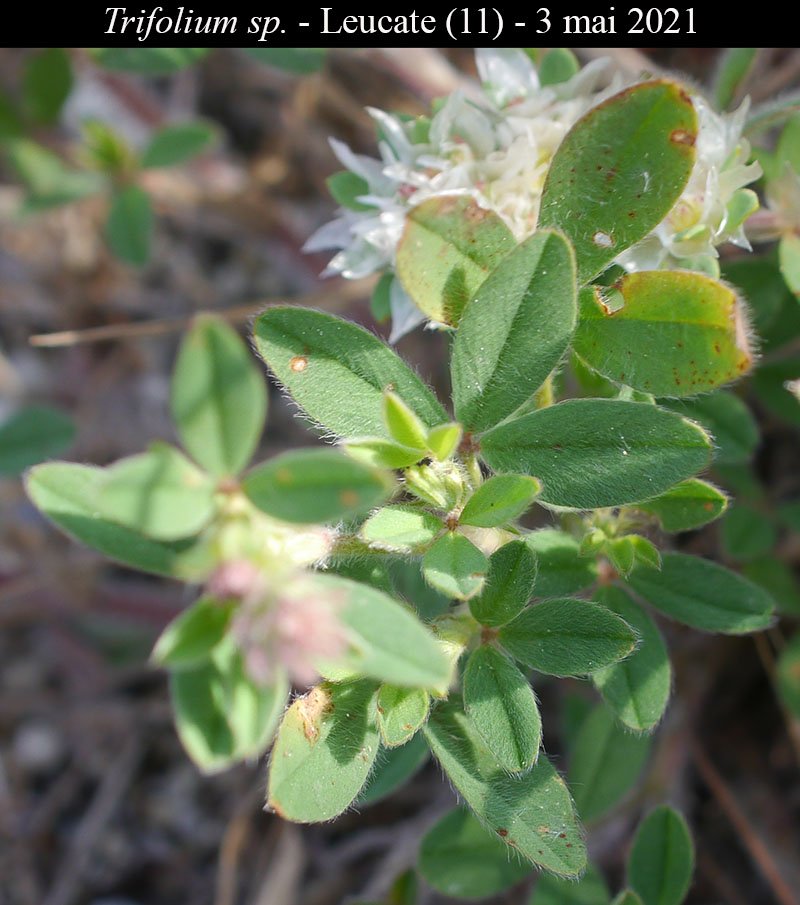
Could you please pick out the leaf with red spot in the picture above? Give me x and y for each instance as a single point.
(619, 171)
(669, 333)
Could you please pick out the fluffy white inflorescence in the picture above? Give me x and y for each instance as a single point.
(497, 147)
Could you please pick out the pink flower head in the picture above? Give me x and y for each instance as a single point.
(294, 629)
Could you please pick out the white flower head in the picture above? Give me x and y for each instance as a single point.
(496, 147)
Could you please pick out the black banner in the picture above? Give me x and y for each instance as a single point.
(540, 24)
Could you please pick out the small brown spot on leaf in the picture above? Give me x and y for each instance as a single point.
(682, 137)
(502, 832)
(275, 808)
(298, 363)
(349, 498)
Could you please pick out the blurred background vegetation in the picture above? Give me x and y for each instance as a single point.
(138, 188)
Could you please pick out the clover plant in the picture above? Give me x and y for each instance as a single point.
(392, 576)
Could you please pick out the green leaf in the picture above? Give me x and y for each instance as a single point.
(606, 763)
(646, 134)
(772, 113)
(191, 637)
(381, 301)
(747, 533)
(443, 440)
(460, 858)
(401, 528)
(627, 897)
(455, 566)
(621, 554)
(509, 584)
(381, 453)
(106, 149)
(148, 60)
(325, 748)
(733, 68)
(567, 637)
(514, 331)
(688, 505)
(558, 65)
(221, 716)
(409, 584)
(501, 706)
(315, 485)
(401, 713)
(46, 83)
(760, 282)
(219, 401)
(345, 188)
(676, 333)
(562, 570)
(178, 143)
(789, 258)
(48, 181)
(591, 889)
(158, 493)
(337, 372)
(68, 495)
(11, 126)
(788, 676)
(788, 149)
(32, 434)
(393, 769)
(129, 228)
(661, 861)
(771, 385)
(403, 425)
(778, 580)
(637, 688)
(448, 248)
(592, 453)
(531, 813)
(387, 642)
(704, 595)
(296, 60)
(732, 427)
(499, 500)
